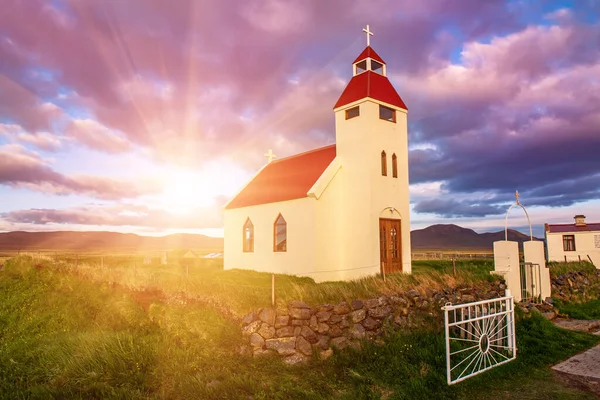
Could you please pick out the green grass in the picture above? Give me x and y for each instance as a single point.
(65, 336)
(475, 269)
(240, 291)
(560, 268)
(586, 310)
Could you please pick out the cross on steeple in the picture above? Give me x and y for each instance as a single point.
(270, 156)
(369, 33)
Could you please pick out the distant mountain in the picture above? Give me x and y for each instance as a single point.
(453, 237)
(70, 240)
(435, 237)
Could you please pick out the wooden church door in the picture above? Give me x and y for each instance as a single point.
(390, 248)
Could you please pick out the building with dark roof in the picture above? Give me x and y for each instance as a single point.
(579, 241)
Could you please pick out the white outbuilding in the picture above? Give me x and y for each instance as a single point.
(338, 212)
(574, 242)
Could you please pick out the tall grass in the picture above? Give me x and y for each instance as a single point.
(560, 268)
(239, 291)
(65, 336)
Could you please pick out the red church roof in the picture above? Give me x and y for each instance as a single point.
(369, 52)
(285, 179)
(373, 85)
(565, 228)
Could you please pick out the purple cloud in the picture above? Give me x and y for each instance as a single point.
(189, 82)
(22, 168)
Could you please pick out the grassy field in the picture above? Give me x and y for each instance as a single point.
(64, 335)
(242, 291)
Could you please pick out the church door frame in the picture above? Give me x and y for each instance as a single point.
(390, 245)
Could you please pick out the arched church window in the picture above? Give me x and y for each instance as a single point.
(383, 164)
(248, 236)
(280, 234)
(394, 165)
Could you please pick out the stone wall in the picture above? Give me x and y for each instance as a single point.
(298, 330)
(576, 285)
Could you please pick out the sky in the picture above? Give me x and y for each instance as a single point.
(147, 116)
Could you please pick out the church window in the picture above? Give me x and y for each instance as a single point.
(280, 234)
(387, 113)
(569, 242)
(376, 67)
(353, 112)
(248, 236)
(383, 164)
(394, 165)
(361, 66)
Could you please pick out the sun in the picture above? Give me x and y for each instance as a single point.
(186, 191)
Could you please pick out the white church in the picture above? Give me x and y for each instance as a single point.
(339, 212)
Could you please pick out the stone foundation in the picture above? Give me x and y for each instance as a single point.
(298, 331)
(576, 285)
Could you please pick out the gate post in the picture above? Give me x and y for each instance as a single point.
(534, 253)
(506, 264)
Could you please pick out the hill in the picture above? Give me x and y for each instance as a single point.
(435, 237)
(453, 237)
(70, 240)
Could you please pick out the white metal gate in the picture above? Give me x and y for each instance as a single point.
(479, 336)
(531, 282)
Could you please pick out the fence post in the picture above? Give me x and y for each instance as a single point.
(273, 289)
(509, 325)
(454, 265)
(447, 329)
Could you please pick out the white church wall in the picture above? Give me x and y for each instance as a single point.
(328, 233)
(367, 193)
(586, 243)
(300, 255)
(389, 191)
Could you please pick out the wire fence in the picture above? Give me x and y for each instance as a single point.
(450, 256)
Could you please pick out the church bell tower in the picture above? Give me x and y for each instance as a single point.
(372, 146)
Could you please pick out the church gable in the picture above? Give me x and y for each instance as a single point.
(285, 179)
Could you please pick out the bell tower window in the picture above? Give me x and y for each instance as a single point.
(387, 113)
(361, 67)
(377, 67)
(383, 163)
(353, 112)
(369, 64)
